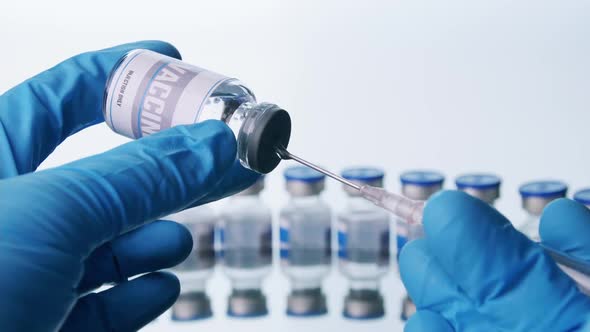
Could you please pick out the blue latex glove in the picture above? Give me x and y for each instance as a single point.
(65, 231)
(474, 272)
(564, 229)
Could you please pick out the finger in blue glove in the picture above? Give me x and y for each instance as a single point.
(433, 290)
(155, 246)
(565, 227)
(37, 115)
(57, 219)
(127, 307)
(504, 276)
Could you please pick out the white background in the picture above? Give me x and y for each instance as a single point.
(457, 86)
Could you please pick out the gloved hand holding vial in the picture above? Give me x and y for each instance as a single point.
(68, 230)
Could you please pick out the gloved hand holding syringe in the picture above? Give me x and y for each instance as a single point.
(411, 211)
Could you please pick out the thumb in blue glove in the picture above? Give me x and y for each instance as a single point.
(474, 272)
(68, 230)
(564, 230)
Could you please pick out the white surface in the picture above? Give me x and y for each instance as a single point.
(456, 85)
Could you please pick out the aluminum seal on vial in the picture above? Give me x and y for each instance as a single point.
(263, 128)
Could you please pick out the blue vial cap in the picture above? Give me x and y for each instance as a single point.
(543, 189)
(422, 178)
(478, 181)
(303, 174)
(583, 196)
(364, 174)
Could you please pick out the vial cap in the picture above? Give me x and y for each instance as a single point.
(478, 181)
(303, 174)
(422, 178)
(363, 174)
(371, 176)
(304, 181)
(583, 196)
(543, 189)
(272, 129)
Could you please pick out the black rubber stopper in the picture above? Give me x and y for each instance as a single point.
(273, 129)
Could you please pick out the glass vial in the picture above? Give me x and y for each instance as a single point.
(148, 92)
(416, 185)
(483, 186)
(583, 196)
(363, 247)
(245, 234)
(536, 196)
(193, 302)
(305, 238)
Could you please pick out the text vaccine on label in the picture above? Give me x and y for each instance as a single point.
(148, 92)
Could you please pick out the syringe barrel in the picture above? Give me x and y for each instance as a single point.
(408, 210)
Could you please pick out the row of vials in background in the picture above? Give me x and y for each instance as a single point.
(240, 239)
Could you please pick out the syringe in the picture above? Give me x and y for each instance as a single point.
(410, 211)
(407, 209)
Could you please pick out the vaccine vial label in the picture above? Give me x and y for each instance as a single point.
(342, 236)
(284, 239)
(219, 241)
(148, 92)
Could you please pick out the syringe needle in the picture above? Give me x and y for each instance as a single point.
(284, 154)
(410, 211)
